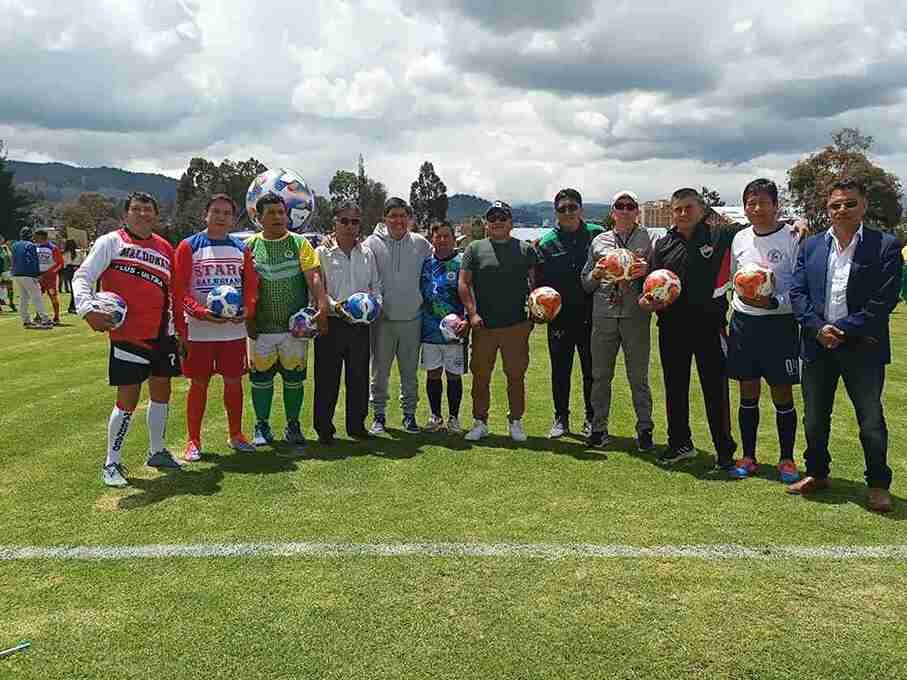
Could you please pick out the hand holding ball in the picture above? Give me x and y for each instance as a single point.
(661, 288)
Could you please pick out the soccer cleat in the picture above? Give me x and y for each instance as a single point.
(517, 433)
(479, 431)
(114, 475)
(788, 472)
(558, 428)
(744, 467)
(192, 452)
(262, 435)
(434, 424)
(670, 456)
(644, 441)
(378, 425)
(163, 460)
(409, 424)
(240, 444)
(587, 427)
(292, 434)
(453, 425)
(597, 440)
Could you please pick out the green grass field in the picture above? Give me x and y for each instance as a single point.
(417, 616)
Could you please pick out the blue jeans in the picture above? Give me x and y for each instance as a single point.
(863, 380)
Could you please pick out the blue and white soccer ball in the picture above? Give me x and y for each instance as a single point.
(112, 304)
(449, 325)
(302, 323)
(292, 188)
(362, 307)
(225, 302)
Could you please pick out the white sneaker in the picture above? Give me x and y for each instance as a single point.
(453, 425)
(517, 433)
(434, 424)
(478, 431)
(114, 475)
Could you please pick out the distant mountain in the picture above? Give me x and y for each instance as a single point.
(60, 182)
(463, 206)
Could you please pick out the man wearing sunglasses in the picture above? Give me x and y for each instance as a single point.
(495, 278)
(397, 334)
(562, 252)
(348, 267)
(845, 286)
(618, 322)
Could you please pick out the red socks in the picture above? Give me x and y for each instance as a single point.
(195, 410)
(233, 404)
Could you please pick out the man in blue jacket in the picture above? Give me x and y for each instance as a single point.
(26, 272)
(845, 286)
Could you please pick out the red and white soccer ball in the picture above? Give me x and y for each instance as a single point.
(616, 263)
(544, 303)
(754, 281)
(662, 286)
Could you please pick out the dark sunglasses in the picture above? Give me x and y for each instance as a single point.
(567, 208)
(837, 205)
(497, 217)
(345, 221)
(625, 206)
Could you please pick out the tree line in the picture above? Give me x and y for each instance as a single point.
(807, 186)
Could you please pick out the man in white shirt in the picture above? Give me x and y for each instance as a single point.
(845, 286)
(763, 339)
(348, 267)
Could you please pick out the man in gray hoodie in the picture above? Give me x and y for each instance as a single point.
(399, 255)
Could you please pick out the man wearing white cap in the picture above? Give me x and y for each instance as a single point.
(619, 322)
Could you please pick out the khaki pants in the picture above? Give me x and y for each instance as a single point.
(513, 341)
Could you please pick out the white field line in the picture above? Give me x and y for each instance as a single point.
(467, 550)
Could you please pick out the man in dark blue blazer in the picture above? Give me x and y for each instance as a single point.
(846, 283)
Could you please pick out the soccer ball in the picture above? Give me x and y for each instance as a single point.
(662, 286)
(292, 188)
(544, 303)
(616, 263)
(448, 327)
(753, 280)
(302, 323)
(112, 304)
(225, 302)
(362, 307)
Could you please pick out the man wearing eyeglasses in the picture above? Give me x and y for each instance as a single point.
(349, 267)
(562, 252)
(618, 322)
(397, 334)
(845, 286)
(495, 278)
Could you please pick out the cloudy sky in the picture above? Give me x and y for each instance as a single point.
(509, 99)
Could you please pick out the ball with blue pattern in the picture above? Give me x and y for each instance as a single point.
(225, 302)
(292, 188)
(362, 308)
(111, 304)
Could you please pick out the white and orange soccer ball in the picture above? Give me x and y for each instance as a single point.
(616, 263)
(662, 286)
(544, 303)
(753, 281)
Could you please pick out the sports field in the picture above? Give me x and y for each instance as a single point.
(421, 556)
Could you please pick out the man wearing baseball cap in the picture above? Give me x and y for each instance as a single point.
(618, 322)
(562, 252)
(495, 278)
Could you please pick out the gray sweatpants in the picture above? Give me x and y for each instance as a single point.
(400, 340)
(609, 335)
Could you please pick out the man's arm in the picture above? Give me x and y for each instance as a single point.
(85, 279)
(589, 282)
(464, 288)
(884, 299)
(249, 283)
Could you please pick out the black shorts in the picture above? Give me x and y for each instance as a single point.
(132, 363)
(764, 347)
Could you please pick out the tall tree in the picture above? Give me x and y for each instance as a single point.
(428, 197)
(810, 179)
(366, 192)
(324, 215)
(711, 197)
(203, 178)
(14, 203)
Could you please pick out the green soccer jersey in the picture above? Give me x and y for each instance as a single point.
(282, 289)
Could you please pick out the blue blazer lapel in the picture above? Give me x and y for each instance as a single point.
(823, 251)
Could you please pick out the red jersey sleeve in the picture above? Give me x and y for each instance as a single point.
(58, 262)
(249, 284)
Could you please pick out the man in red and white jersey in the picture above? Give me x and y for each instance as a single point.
(212, 344)
(135, 263)
(50, 262)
